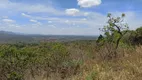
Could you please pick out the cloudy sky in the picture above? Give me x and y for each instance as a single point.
(65, 17)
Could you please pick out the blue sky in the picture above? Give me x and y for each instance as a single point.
(65, 17)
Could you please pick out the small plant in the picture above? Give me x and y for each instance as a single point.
(91, 76)
(14, 76)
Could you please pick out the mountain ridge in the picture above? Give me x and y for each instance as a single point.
(12, 37)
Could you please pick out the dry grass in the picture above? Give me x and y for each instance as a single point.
(128, 66)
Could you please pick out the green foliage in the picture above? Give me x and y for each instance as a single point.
(133, 37)
(100, 39)
(114, 31)
(15, 59)
(139, 31)
(14, 76)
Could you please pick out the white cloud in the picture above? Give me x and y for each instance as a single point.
(36, 23)
(72, 11)
(66, 21)
(25, 15)
(84, 19)
(88, 3)
(40, 17)
(8, 5)
(5, 17)
(49, 22)
(8, 20)
(32, 20)
(86, 14)
(36, 8)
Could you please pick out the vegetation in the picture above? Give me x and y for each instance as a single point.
(115, 29)
(113, 33)
(77, 60)
(135, 37)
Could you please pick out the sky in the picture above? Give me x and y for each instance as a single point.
(65, 17)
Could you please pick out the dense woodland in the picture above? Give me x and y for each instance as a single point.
(115, 55)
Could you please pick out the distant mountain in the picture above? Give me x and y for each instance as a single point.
(11, 37)
(6, 33)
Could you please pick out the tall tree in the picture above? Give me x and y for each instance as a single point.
(115, 30)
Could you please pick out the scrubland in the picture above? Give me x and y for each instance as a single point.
(76, 60)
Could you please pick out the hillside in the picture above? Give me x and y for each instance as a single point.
(11, 37)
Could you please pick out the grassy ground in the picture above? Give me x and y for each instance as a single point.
(77, 60)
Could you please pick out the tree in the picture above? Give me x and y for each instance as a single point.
(139, 31)
(115, 30)
(100, 40)
(137, 39)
